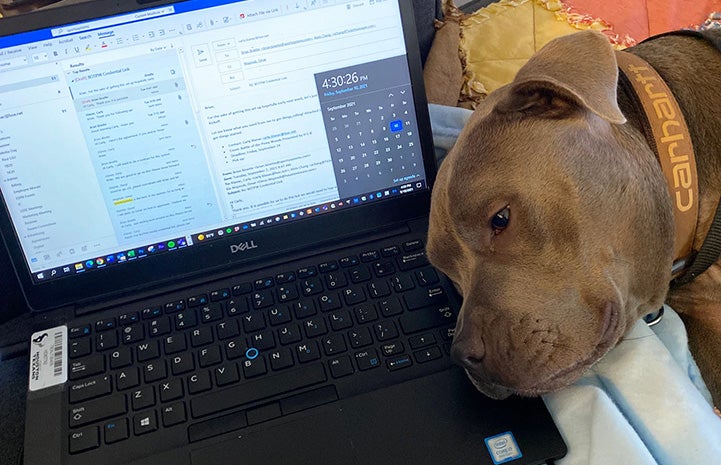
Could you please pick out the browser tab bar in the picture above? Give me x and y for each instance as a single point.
(129, 18)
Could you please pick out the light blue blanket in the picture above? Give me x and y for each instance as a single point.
(644, 402)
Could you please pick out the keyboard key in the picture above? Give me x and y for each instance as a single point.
(263, 340)
(315, 327)
(84, 440)
(79, 347)
(170, 390)
(263, 413)
(307, 272)
(96, 410)
(369, 256)
(186, 319)
(390, 251)
(253, 368)
(149, 313)
(127, 379)
(289, 334)
(421, 298)
(142, 398)
(236, 306)
(147, 351)
(349, 261)
(329, 301)
(402, 283)
(173, 414)
(132, 333)
(426, 355)
(385, 330)
(365, 314)
(120, 357)
(86, 366)
(390, 307)
(202, 336)
(197, 300)
(182, 363)
(227, 329)
(145, 422)
(89, 389)
(334, 344)
(79, 331)
(367, 359)
(281, 359)
(226, 374)
(174, 306)
(116, 430)
(263, 283)
(413, 245)
(105, 325)
(311, 286)
(211, 312)
(155, 371)
(159, 326)
(219, 294)
(199, 382)
(354, 295)
(283, 278)
(427, 276)
(360, 337)
(411, 261)
(340, 366)
(262, 299)
(106, 340)
(128, 318)
(241, 289)
(327, 267)
(423, 340)
(398, 362)
(360, 274)
(392, 348)
(175, 343)
(287, 293)
(340, 319)
(268, 386)
(379, 289)
(427, 318)
(336, 280)
(209, 356)
(279, 315)
(307, 352)
(253, 322)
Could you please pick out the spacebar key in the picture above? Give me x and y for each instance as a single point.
(245, 393)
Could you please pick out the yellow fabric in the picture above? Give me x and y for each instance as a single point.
(498, 39)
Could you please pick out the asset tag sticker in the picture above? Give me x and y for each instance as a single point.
(48, 364)
(503, 448)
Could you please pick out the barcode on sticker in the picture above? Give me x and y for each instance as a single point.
(48, 366)
(58, 358)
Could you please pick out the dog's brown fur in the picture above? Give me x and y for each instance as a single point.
(588, 248)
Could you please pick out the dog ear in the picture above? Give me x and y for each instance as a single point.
(577, 69)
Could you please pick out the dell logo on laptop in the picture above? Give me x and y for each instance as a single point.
(242, 247)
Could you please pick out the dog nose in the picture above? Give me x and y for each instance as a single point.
(468, 353)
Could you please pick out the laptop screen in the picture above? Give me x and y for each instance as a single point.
(146, 133)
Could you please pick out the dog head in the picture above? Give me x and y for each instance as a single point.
(553, 220)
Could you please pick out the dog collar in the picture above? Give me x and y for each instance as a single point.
(667, 133)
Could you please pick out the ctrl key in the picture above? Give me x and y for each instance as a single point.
(84, 439)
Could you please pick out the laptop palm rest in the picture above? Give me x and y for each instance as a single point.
(445, 417)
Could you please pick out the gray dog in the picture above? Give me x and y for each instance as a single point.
(553, 218)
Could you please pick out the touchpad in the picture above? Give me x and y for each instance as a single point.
(321, 439)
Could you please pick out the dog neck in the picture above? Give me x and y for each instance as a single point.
(665, 128)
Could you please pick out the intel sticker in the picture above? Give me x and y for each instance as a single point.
(48, 350)
(503, 448)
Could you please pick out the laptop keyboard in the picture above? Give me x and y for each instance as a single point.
(248, 350)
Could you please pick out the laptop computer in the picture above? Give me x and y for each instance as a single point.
(217, 209)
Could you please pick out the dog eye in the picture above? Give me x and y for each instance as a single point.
(500, 220)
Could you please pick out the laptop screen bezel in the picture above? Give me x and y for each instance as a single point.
(211, 258)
